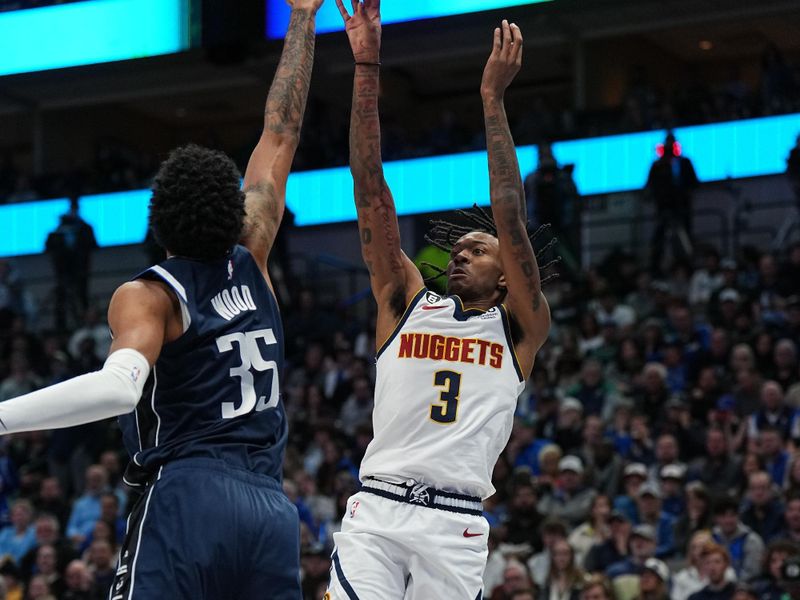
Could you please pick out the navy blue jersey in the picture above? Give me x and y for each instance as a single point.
(213, 392)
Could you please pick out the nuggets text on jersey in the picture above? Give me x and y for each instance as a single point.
(452, 349)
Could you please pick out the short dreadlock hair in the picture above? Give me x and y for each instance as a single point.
(197, 207)
(444, 235)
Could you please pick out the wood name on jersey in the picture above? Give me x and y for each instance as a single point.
(452, 349)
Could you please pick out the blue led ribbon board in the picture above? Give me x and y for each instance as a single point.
(603, 165)
(393, 11)
(96, 31)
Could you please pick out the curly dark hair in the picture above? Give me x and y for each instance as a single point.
(197, 207)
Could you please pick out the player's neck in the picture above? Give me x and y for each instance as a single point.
(478, 303)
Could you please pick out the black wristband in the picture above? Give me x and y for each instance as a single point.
(368, 64)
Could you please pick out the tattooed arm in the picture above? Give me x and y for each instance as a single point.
(525, 299)
(271, 161)
(394, 278)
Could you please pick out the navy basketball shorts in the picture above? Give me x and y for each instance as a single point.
(204, 530)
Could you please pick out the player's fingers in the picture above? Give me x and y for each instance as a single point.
(342, 10)
(354, 4)
(517, 39)
(507, 41)
(498, 42)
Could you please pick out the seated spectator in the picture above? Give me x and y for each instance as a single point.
(592, 390)
(569, 427)
(38, 589)
(654, 581)
(86, 509)
(634, 475)
(743, 547)
(100, 558)
(790, 530)
(315, 566)
(625, 574)
(762, 511)
(652, 394)
(570, 499)
(672, 490)
(357, 409)
(594, 531)
(715, 560)
(19, 537)
(641, 446)
(524, 519)
(47, 567)
(612, 550)
(768, 584)
(666, 453)
(515, 578)
(773, 412)
(692, 579)
(47, 534)
(719, 468)
(697, 516)
(607, 468)
(540, 564)
(51, 500)
(597, 587)
(565, 579)
(77, 582)
(650, 513)
(772, 453)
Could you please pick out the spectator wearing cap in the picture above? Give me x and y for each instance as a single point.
(594, 530)
(551, 532)
(565, 579)
(524, 519)
(715, 560)
(651, 513)
(743, 546)
(692, 578)
(726, 309)
(697, 516)
(706, 280)
(569, 429)
(772, 452)
(719, 469)
(671, 480)
(654, 581)
(592, 390)
(762, 511)
(666, 453)
(625, 574)
(768, 585)
(634, 475)
(791, 518)
(570, 499)
(614, 549)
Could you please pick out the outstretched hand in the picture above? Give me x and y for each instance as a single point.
(504, 62)
(363, 29)
(312, 5)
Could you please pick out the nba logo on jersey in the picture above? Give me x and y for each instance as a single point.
(420, 495)
(230, 270)
(354, 508)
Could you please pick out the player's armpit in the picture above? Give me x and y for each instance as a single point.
(143, 315)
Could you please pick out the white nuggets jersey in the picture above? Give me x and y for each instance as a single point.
(445, 396)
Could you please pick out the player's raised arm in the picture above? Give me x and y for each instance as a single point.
(525, 299)
(393, 276)
(269, 166)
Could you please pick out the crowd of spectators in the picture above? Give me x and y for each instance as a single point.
(118, 165)
(652, 454)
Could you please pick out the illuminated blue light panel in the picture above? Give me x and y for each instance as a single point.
(84, 33)
(329, 19)
(603, 165)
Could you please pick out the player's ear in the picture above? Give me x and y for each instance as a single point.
(501, 284)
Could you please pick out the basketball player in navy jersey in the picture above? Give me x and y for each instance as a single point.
(449, 368)
(193, 371)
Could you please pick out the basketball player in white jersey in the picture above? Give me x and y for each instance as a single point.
(449, 368)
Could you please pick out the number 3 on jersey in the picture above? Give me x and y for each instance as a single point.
(250, 356)
(447, 411)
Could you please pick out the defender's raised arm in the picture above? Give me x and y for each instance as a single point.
(393, 276)
(525, 299)
(271, 161)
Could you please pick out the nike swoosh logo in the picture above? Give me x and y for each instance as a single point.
(467, 534)
(433, 307)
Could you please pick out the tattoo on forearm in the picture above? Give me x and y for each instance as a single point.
(287, 97)
(508, 199)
